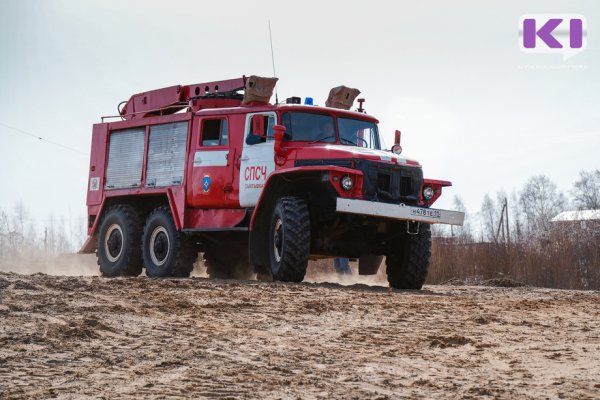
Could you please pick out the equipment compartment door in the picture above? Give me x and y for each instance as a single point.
(257, 161)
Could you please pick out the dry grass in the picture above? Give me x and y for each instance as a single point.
(565, 257)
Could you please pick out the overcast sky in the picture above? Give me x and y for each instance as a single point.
(472, 107)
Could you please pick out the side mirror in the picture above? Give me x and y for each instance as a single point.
(278, 133)
(258, 125)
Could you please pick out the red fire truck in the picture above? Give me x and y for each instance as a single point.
(255, 187)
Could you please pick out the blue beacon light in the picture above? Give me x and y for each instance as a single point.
(308, 101)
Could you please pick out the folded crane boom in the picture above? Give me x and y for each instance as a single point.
(171, 99)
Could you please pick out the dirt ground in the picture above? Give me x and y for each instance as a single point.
(74, 337)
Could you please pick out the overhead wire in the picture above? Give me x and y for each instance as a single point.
(44, 139)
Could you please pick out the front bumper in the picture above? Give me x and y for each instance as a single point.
(399, 212)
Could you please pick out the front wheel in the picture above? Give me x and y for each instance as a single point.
(407, 260)
(289, 239)
(166, 251)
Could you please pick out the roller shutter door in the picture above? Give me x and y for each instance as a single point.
(166, 154)
(125, 158)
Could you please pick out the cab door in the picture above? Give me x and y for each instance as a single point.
(257, 161)
(212, 179)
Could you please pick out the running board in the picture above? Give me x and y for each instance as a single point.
(202, 230)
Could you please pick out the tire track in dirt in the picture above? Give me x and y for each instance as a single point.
(72, 337)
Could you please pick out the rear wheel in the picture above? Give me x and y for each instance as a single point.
(166, 251)
(289, 239)
(119, 242)
(408, 259)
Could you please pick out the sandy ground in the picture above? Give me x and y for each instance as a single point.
(74, 337)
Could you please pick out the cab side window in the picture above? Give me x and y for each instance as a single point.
(267, 134)
(215, 132)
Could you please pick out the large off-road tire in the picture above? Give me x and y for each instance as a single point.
(119, 242)
(408, 259)
(227, 262)
(166, 251)
(289, 239)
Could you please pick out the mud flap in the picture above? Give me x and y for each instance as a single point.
(369, 264)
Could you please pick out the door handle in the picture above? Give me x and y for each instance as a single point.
(244, 158)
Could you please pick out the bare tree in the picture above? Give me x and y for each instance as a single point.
(586, 191)
(540, 201)
(488, 218)
(463, 233)
(20, 236)
(4, 228)
(20, 218)
(516, 217)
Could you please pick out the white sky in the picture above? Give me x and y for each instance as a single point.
(448, 74)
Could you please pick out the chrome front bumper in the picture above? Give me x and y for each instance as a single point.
(400, 212)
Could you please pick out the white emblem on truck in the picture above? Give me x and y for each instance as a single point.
(94, 184)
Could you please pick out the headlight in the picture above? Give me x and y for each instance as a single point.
(397, 149)
(428, 192)
(347, 183)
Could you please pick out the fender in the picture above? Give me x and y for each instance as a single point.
(174, 196)
(437, 186)
(89, 246)
(176, 212)
(337, 171)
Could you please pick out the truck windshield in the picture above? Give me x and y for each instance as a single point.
(309, 127)
(359, 133)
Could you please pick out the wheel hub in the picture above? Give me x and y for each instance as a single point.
(160, 245)
(278, 239)
(113, 243)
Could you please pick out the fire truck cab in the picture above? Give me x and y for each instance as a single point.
(255, 187)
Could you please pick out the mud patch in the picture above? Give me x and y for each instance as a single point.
(495, 282)
(448, 341)
(22, 285)
(4, 283)
(503, 282)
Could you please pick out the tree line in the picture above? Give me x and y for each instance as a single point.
(527, 213)
(23, 236)
(514, 237)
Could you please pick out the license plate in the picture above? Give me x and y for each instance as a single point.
(425, 212)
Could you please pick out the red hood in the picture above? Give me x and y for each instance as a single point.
(333, 151)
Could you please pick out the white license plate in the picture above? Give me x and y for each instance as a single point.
(425, 212)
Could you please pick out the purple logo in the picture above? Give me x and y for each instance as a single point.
(564, 34)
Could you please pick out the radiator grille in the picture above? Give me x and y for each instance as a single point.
(390, 183)
(384, 182)
(406, 185)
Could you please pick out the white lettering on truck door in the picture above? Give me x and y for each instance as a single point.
(257, 161)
